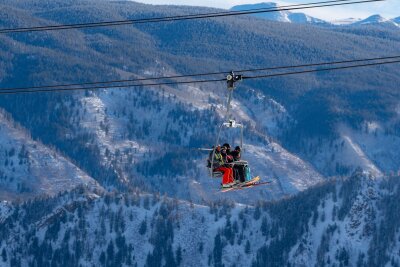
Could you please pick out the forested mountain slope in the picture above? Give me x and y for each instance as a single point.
(29, 168)
(299, 129)
(341, 223)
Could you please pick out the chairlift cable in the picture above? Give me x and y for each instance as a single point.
(193, 82)
(189, 75)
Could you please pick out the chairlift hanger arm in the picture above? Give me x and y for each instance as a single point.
(231, 79)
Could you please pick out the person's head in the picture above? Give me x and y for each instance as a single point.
(237, 148)
(223, 150)
(218, 148)
(228, 147)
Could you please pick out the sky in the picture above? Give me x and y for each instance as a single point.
(388, 8)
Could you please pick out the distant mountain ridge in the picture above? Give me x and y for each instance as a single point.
(301, 18)
(281, 16)
(376, 19)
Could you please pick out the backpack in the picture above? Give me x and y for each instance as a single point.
(248, 173)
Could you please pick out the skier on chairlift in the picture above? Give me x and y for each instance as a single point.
(219, 166)
(236, 153)
(226, 153)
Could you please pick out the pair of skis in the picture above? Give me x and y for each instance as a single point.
(248, 184)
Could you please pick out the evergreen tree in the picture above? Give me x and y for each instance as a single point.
(264, 226)
(247, 248)
(179, 256)
(4, 255)
(217, 252)
(110, 251)
(102, 258)
(143, 227)
(257, 213)
(201, 247)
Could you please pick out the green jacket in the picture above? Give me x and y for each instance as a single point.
(218, 159)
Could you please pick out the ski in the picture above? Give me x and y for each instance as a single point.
(253, 182)
(253, 185)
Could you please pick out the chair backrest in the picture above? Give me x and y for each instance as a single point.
(241, 162)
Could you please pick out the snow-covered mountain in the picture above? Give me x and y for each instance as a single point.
(140, 138)
(113, 177)
(372, 20)
(108, 116)
(281, 16)
(376, 19)
(301, 18)
(342, 223)
(370, 149)
(29, 168)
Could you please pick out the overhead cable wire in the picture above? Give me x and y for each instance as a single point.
(110, 87)
(320, 70)
(198, 81)
(186, 17)
(200, 74)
